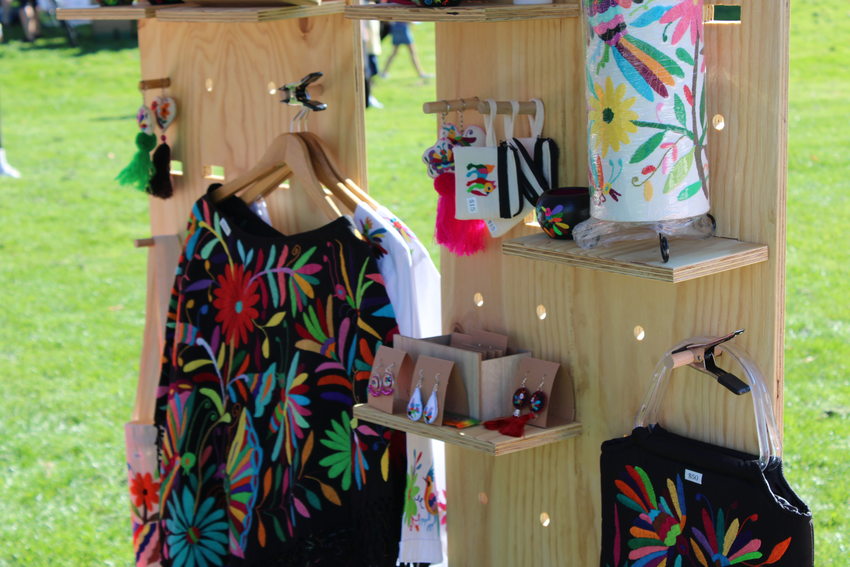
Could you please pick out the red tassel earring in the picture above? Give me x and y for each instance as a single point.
(514, 426)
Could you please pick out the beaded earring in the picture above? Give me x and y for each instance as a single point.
(538, 398)
(520, 398)
(375, 382)
(389, 380)
(414, 406)
(431, 409)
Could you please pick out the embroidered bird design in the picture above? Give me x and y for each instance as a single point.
(645, 67)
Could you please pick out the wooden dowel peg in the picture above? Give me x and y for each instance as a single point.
(154, 84)
(144, 242)
(476, 104)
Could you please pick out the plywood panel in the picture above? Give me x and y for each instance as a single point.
(220, 76)
(592, 314)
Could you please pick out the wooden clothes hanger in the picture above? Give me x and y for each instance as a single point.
(285, 151)
(328, 173)
(317, 145)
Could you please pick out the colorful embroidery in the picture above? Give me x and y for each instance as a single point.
(267, 338)
(375, 235)
(646, 98)
(479, 182)
(662, 533)
(421, 507)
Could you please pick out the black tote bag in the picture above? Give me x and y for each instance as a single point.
(670, 501)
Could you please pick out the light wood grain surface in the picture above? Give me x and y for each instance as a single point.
(593, 316)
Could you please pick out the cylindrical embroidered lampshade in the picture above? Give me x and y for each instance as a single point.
(646, 110)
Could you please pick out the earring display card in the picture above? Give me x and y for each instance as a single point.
(539, 375)
(476, 391)
(391, 371)
(436, 374)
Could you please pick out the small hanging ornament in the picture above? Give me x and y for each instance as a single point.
(165, 110)
(139, 171)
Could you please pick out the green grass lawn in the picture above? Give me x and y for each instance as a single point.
(72, 285)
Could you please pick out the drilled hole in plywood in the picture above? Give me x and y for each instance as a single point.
(727, 14)
(639, 332)
(478, 299)
(175, 167)
(483, 498)
(208, 85)
(719, 122)
(541, 312)
(214, 172)
(545, 520)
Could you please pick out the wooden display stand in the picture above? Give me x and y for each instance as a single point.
(538, 505)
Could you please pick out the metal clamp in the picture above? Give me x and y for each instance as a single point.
(295, 93)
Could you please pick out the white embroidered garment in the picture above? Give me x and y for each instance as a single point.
(413, 286)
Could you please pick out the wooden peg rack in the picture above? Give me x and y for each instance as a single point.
(476, 104)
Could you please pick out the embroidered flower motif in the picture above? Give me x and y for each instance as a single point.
(689, 14)
(235, 299)
(145, 491)
(611, 117)
(721, 544)
(196, 536)
(374, 235)
(347, 459)
(658, 537)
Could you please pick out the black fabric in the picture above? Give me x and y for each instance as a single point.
(270, 339)
(506, 184)
(669, 498)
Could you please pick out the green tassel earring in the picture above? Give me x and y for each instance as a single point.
(139, 171)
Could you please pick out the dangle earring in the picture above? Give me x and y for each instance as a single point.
(431, 409)
(375, 382)
(164, 109)
(538, 398)
(414, 406)
(389, 380)
(521, 395)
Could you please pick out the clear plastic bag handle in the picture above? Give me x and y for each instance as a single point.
(768, 433)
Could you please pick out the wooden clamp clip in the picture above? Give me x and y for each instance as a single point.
(701, 356)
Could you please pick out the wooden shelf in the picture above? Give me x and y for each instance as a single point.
(195, 13)
(243, 15)
(137, 12)
(470, 11)
(477, 438)
(689, 259)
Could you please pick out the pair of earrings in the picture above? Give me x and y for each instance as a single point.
(146, 173)
(382, 384)
(522, 398)
(414, 407)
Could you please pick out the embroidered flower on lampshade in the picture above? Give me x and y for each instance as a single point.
(611, 117)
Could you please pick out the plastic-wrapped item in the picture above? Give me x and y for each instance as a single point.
(594, 232)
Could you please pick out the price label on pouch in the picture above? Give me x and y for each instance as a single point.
(225, 227)
(693, 476)
(472, 204)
